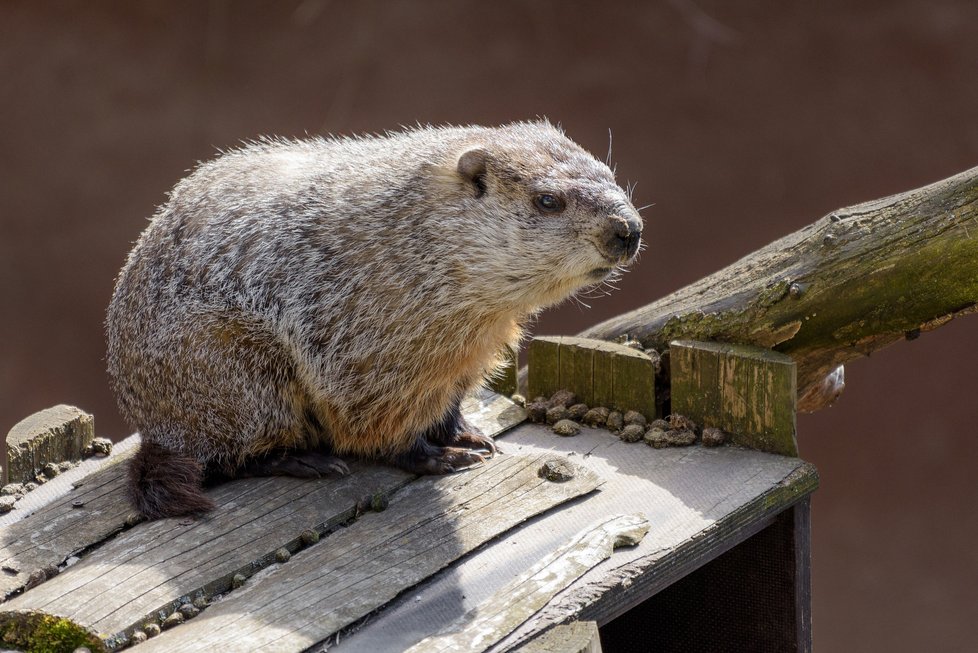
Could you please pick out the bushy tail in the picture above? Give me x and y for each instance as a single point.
(166, 483)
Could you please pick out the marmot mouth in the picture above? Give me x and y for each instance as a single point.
(600, 273)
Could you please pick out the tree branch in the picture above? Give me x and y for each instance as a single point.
(853, 282)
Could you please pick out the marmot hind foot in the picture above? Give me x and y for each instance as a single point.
(455, 431)
(426, 458)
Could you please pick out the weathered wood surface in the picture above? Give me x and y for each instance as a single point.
(599, 373)
(699, 502)
(575, 637)
(35, 547)
(498, 616)
(853, 282)
(430, 523)
(64, 483)
(151, 567)
(55, 435)
(491, 413)
(749, 392)
(66, 521)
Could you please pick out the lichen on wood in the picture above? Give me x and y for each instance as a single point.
(853, 282)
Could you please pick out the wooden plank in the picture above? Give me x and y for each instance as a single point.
(575, 637)
(750, 392)
(603, 385)
(695, 380)
(543, 367)
(498, 616)
(152, 567)
(54, 435)
(429, 524)
(802, 536)
(73, 520)
(491, 413)
(600, 373)
(700, 501)
(34, 548)
(65, 483)
(184, 557)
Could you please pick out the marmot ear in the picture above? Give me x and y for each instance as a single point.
(472, 167)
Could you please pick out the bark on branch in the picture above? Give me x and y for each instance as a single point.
(853, 282)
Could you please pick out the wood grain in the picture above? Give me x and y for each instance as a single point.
(599, 373)
(429, 524)
(52, 435)
(156, 566)
(498, 616)
(749, 392)
(699, 500)
(33, 548)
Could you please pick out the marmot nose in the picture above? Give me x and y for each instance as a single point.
(622, 237)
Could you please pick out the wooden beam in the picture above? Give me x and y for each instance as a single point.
(34, 548)
(851, 283)
(505, 382)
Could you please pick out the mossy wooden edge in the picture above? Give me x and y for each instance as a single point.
(37, 632)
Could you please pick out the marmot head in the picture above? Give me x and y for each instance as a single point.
(547, 217)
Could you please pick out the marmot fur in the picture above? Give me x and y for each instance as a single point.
(295, 299)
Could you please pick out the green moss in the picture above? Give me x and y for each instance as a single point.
(36, 632)
(773, 293)
(697, 325)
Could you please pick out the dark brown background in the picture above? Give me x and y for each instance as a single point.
(741, 121)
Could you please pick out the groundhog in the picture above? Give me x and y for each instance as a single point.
(298, 300)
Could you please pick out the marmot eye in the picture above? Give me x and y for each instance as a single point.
(549, 203)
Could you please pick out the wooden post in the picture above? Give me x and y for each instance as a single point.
(53, 435)
(599, 373)
(748, 391)
(853, 282)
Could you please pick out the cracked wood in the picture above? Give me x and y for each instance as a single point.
(498, 616)
(322, 589)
